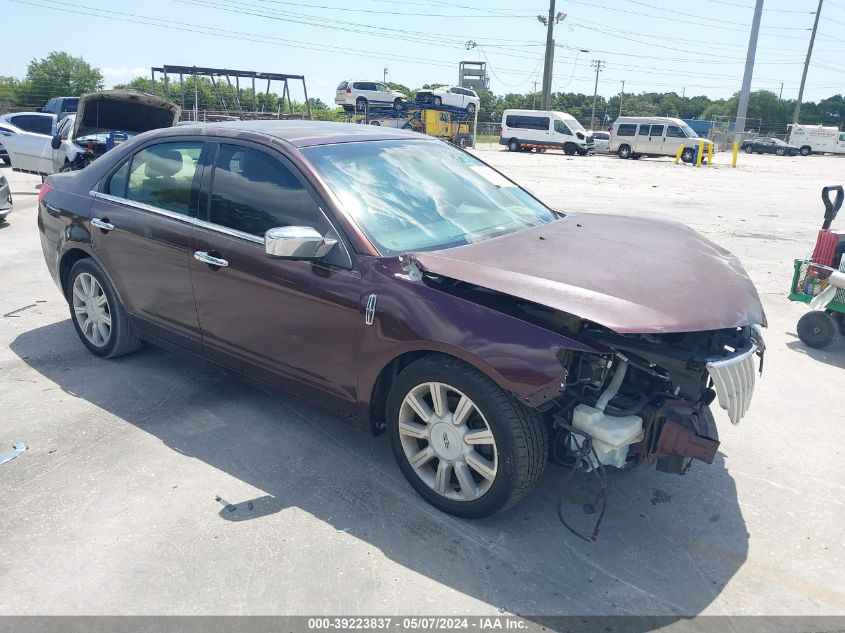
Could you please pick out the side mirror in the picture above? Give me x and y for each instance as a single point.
(297, 242)
(56, 141)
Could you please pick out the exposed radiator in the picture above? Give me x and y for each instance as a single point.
(734, 379)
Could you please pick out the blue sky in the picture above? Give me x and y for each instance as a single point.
(654, 45)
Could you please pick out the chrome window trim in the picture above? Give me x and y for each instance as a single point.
(249, 237)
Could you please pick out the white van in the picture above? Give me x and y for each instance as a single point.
(524, 130)
(634, 136)
(816, 139)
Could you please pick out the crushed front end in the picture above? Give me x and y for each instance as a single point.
(647, 399)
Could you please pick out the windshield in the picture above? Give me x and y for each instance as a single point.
(418, 195)
(573, 123)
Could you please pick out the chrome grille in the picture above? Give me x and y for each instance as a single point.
(734, 380)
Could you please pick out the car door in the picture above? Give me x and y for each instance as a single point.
(454, 98)
(370, 91)
(294, 324)
(60, 154)
(655, 139)
(146, 208)
(383, 95)
(641, 143)
(30, 148)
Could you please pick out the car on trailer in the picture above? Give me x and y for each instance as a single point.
(358, 95)
(452, 96)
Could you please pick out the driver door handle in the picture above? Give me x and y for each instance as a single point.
(102, 224)
(210, 259)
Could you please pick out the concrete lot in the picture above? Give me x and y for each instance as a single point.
(156, 484)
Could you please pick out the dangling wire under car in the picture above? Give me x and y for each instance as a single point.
(580, 455)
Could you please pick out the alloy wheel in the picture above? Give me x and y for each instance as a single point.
(447, 441)
(91, 309)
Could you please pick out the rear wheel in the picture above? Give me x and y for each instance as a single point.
(465, 445)
(780, 151)
(96, 312)
(748, 149)
(360, 104)
(513, 145)
(437, 101)
(817, 329)
(397, 104)
(471, 109)
(624, 151)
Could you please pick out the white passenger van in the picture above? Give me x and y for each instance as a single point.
(633, 136)
(524, 130)
(817, 139)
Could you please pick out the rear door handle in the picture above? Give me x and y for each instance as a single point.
(102, 224)
(210, 259)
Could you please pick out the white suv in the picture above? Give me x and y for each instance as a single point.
(452, 96)
(359, 95)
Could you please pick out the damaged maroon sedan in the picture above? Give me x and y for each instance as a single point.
(415, 290)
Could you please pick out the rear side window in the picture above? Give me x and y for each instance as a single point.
(33, 123)
(162, 176)
(253, 192)
(657, 130)
(527, 122)
(626, 129)
(644, 130)
(341, 85)
(116, 185)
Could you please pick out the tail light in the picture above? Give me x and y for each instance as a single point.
(45, 189)
(348, 90)
(501, 131)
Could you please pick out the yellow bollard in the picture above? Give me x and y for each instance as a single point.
(709, 154)
(678, 155)
(736, 151)
(700, 154)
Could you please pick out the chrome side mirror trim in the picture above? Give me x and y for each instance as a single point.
(297, 242)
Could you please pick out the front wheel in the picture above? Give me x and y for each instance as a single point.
(466, 446)
(817, 329)
(779, 151)
(805, 151)
(624, 151)
(96, 312)
(569, 149)
(687, 155)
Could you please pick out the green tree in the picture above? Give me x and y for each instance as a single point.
(59, 75)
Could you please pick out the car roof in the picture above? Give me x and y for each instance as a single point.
(300, 133)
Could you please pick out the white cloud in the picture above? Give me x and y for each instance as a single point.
(122, 74)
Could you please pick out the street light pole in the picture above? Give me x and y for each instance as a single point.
(550, 51)
(384, 78)
(598, 65)
(807, 65)
(742, 110)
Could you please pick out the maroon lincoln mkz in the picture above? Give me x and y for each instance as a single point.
(413, 289)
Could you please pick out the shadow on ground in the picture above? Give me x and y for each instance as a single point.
(668, 545)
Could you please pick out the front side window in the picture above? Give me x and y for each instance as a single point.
(70, 105)
(842, 138)
(417, 195)
(162, 176)
(626, 129)
(252, 192)
(382, 88)
(36, 124)
(560, 128)
(673, 131)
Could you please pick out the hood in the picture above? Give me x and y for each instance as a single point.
(123, 110)
(628, 274)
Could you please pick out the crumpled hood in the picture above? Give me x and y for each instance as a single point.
(123, 110)
(628, 274)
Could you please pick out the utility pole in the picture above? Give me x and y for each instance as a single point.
(780, 96)
(742, 110)
(385, 75)
(807, 65)
(549, 22)
(534, 97)
(621, 97)
(598, 64)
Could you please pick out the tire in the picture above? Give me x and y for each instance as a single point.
(437, 101)
(397, 104)
(375, 123)
(748, 149)
(471, 109)
(817, 329)
(687, 155)
(6, 160)
(360, 104)
(121, 338)
(569, 149)
(806, 150)
(582, 152)
(66, 168)
(624, 151)
(513, 458)
(779, 151)
(513, 145)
